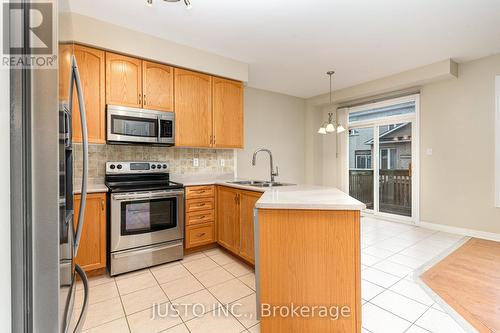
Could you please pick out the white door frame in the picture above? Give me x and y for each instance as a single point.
(414, 119)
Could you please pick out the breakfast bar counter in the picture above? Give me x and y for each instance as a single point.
(308, 265)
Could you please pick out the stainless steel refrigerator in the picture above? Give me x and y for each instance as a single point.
(45, 239)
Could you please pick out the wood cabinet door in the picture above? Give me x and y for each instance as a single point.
(158, 86)
(228, 113)
(92, 250)
(247, 201)
(228, 224)
(91, 67)
(123, 80)
(193, 109)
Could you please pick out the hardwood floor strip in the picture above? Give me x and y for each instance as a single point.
(469, 281)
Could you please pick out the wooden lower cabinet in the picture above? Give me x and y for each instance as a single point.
(228, 218)
(247, 203)
(200, 234)
(92, 251)
(235, 220)
(310, 257)
(200, 216)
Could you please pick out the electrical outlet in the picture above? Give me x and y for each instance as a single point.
(429, 151)
(196, 162)
(222, 162)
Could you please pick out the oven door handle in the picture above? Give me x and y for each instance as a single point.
(134, 252)
(128, 197)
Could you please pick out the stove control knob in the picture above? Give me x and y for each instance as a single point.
(119, 166)
(164, 166)
(158, 166)
(153, 166)
(112, 166)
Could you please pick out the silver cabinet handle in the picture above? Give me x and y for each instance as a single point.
(75, 78)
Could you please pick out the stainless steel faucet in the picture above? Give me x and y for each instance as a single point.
(273, 173)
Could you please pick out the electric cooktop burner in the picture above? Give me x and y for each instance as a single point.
(138, 176)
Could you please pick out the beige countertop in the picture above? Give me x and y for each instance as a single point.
(91, 188)
(285, 197)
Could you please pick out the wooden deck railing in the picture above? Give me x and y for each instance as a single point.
(394, 189)
(361, 186)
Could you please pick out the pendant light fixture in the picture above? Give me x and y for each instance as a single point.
(332, 125)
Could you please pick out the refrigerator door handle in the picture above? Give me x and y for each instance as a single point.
(67, 130)
(83, 314)
(75, 78)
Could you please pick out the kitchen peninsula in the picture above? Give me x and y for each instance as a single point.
(307, 250)
(307, 241)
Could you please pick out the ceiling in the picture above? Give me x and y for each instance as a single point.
(290, 44)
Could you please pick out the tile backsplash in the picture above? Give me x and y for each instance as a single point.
(179, 160)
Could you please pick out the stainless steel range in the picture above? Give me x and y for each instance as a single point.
(146, 216)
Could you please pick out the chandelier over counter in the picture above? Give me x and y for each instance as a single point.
(332, 125)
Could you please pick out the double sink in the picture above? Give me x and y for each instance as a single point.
(259, 183)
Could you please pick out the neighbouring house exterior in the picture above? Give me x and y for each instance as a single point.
(394, 145)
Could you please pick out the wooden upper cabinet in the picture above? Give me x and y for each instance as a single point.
(247, 202)
(228, 224)
(158, 86)
(123, 80)
(193, 109)
(91, 67)
(64, 58)
(227, 113)
(92, 250)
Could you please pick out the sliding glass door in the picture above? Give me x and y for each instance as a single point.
(394, 169)
(381, 170)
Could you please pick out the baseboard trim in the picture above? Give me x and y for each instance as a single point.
(461, 231)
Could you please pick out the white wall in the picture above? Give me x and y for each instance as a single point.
(274, 121)
(5, 304)
(458, 123)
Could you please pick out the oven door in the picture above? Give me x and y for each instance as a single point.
(132, 125)
(146, 218)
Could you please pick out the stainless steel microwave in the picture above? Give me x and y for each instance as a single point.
(133, 125)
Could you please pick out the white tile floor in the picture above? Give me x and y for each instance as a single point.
(392, 301)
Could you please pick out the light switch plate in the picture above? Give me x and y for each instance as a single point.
(429, 151)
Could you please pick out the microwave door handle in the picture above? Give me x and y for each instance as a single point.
(159, 129)
(75, 77)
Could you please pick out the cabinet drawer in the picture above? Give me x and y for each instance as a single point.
(200, 234)
(203, 216)
(195, 205)
(193, 192)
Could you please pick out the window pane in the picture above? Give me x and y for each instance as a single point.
(360, 165)
(387, 111)
(395, 176)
